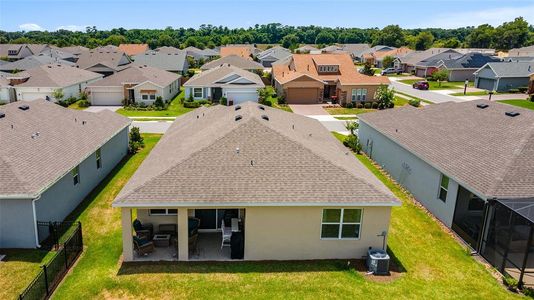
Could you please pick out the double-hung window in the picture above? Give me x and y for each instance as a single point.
(144, 96)
(197, 92)
(98, 158)
(341, 223)
(359, 95)
(443, 188)
(363, 94)
(75, 175)
(152, 96)
(354, 93)
(164, 212)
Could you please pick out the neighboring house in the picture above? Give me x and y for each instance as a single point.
(133, 49)
(524, 51)
(355, 49)
(332, 49)
(378, 56)
(201, 54)
(476, 50)
(503, 76)
(271, 55)
(42, 81)
(470, 164)
(297, 191)
(429, 65)
(242, 51)
(51, 159)
(74, 50)
(105, 60)
(464, 67)
(7, 92)
(139, 84)
(233, 83)
(368, 55)
(314, 78)
(168, 49)
(306, 49)
(33, 61)
(13, 52)
(236, 61)
(59, 54)
(425, 59)
(172, 61)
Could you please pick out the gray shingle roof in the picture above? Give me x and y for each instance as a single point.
(511, 69)
(212, 77)
(469, 61)
(482, 149)
(138, 74)
(286, 160)
(234, 60)
(416, 57)
(33, 61)
(109, 56)
(171, 61)
(30, 165)
(275, 52)
(56, 75)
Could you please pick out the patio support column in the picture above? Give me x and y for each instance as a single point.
(127, 236)
(525, 258)
(183, 239)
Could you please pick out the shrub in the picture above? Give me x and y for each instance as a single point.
(281, 100)
(190, 73)
(193, 104)
(531, 98)
(353, 143)
(374, 105)
(349, 105)
(83, 95)
(367, 105)
(136, 140)
(359, 105)
(513, 91)
(267, 103)
(203, 101)
(84, 103)
(522, 89)
(159, 102)
(385, 97)
(223, 101)
(414, 102)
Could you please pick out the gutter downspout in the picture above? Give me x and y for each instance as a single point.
(35, 222)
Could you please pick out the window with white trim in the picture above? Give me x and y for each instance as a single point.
(152, 96)
(98, 158)
(75, 175)
(354, 92)
(197, 92)
(144, 96)
(364, 94)
(443, 188)
(163, 212)
(341, 223)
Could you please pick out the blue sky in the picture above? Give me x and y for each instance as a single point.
(107, 14)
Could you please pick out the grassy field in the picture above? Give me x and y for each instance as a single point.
(519, 102)
(434, 85)
(433, 264)
(76, 106)
(399, 101)
(175, 109)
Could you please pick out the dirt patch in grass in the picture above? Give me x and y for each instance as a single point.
(395, 272)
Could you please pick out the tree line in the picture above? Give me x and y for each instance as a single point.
(513, 34)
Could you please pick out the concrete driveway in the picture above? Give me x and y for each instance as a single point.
(152, 126)
(101, 108)
(316, 111)
(308, 109)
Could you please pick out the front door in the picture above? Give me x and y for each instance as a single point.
(216, 93)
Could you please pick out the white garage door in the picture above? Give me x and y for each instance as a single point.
(107, 97)
(240, 97)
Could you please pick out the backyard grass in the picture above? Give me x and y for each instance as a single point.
(434, 85)
(175, 109)
(435, 265)
(519, 102)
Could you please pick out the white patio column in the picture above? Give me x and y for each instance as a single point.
(127, 235)
(183, 239)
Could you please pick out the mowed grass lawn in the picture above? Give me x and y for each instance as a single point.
(175, 109)
(519, 102)
(434, 85)
(437, 267)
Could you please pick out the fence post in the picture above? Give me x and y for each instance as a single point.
(66, 256)
(46, 279)
(81, 235)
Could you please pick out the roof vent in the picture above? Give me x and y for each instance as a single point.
(24, 107)
(265, 117)
(2, 115)
(482, 105)
(237, 107)
(512, 113)
(238, 117)
(261, 107)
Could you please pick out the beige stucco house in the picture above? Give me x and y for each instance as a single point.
(279, 183)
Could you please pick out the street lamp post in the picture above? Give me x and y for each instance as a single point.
(465, 86)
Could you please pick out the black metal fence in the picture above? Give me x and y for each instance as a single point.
(53, 272)
(51, 233)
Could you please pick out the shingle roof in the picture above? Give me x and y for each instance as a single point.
(355, 49)
(76, 50)
(306, 48)
(138, 74)
(416, 57)
(482, 149)
(30, 165)
(524, 51)
(469, 61)
(167, 49)
(244, 52)
(56, 75)
(133, 49)
(511, 69)
(234, 60)
(212, 76)
(33, 61)
(276, 52)
(108, 56)
(286, 160)
(171, 61)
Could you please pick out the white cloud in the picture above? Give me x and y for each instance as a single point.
(30, 27)
(494, 16)
(72, 27)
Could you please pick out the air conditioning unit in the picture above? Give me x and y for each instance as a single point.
(378, 261)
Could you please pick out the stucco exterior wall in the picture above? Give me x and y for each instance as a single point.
(34, 93)
(294, 233)
(512, 83)
(166, 93)
(345, 92)
(417, 176)
(17, 229)
(462, 75)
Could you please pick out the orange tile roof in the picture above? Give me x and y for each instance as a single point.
(133, 49)
(240, 51)
(306, 64)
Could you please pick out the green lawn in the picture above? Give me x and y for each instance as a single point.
(345, 118)
(175, 109)
(76, 106)
(434, 264)
(519, 102)
(434, 85)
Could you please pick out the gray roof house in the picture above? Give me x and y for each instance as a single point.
(104, 60)
(271, 55)
(524, 51)
(168, 49)
(233, 83)
(41, 82)
(234, 60)
(464, 162)
(18, 51)
(355, 49)
(139, 83)
(170, 61)
(7, 92)
(201, 54)
(430, 56)
(33, 61)
(304, 182)
(51, 159)
(306, 49)
(463, 67)
(74, 50)
(503, 76)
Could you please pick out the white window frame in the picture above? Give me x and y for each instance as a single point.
(364, 94)
(144, 96)
(446, 189)
(152, 97)
(75, 172)
(341, 223)
(201, 92)
(98, 155)
(167, 213)
(354, 95)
